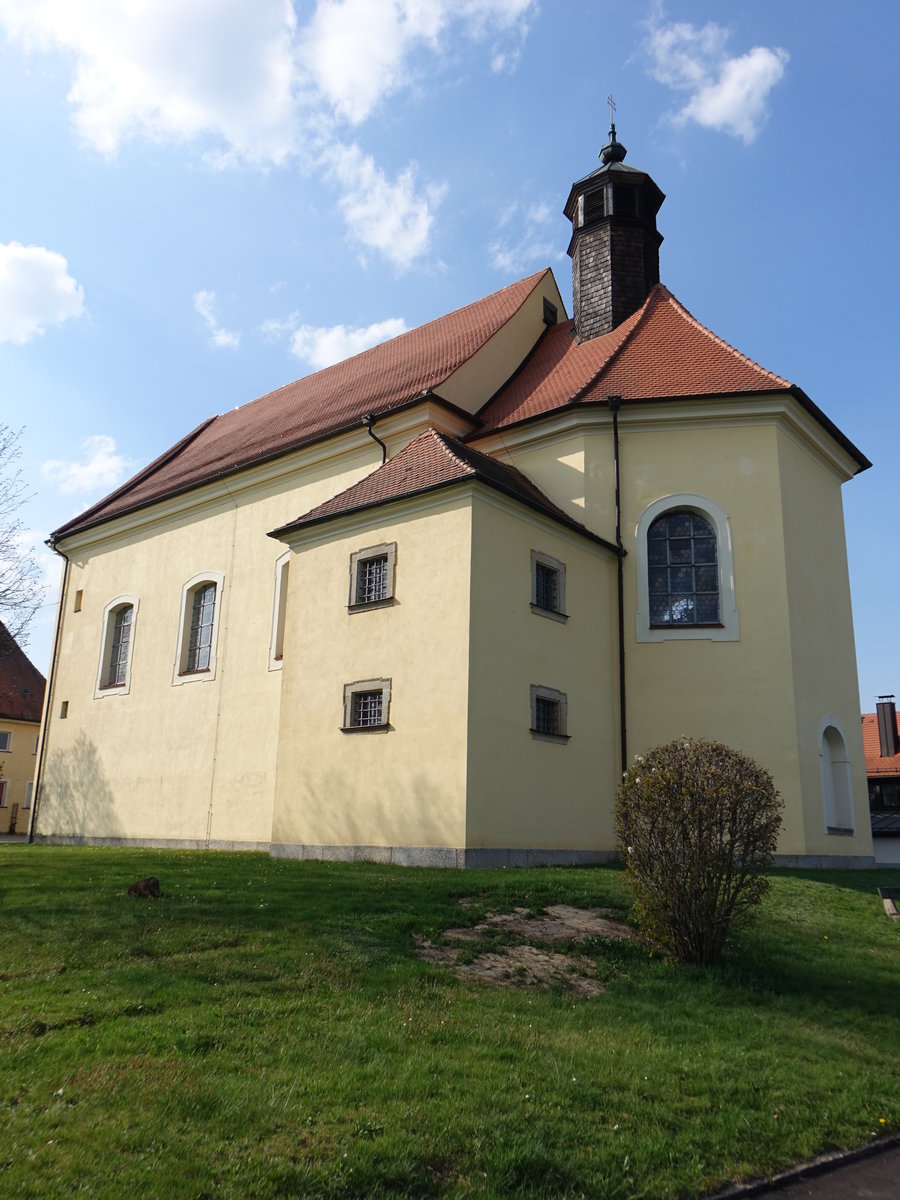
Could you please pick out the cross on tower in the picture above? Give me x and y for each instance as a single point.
(612, 109)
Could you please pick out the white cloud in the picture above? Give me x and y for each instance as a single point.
(537, 240)
(97, 470)
(323, 346)
(218, 336)
(36, 290)
(729, 94)
(252, 85)
(359, 51)
(393, 217)
(171, 70)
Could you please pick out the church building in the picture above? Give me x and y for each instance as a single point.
(423, 606)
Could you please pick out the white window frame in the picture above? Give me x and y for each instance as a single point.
(180, 674)
(386, 550)
(836, 778)
(6, 748)
(279, 610)
(554, 564)
(367, 685)
(729, 628)
(4, 788)
(539, 691)
(101, 687)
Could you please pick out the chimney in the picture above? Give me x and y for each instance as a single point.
(887, 726)
(615, 242)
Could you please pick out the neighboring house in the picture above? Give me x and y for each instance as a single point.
(423, 605)
(21, 701)
(881, 742)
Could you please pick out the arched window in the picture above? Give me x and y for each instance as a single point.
(116, 647)
(685, 572)
(198, 627)
(279, 611)
(682, 570)
(837, 787)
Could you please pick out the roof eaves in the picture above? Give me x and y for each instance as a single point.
(472, 477)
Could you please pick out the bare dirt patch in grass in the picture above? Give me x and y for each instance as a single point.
(528, 961)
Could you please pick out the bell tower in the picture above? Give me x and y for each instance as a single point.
(615, 243)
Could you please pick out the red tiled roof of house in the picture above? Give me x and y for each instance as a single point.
(376, 381)
(875, 764)
(434, 460)
(21, 683)
(660, 351)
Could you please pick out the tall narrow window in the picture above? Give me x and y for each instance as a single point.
(116, 647)
(279, 611)
(121, 644)
(203, 614)
(837, 785)
(682, 570)
(201, 601)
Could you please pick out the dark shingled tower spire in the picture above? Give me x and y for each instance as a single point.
(615, 243)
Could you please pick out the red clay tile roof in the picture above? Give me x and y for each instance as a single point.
(431, 461)
(21, 683)
(659, 352)
(376, 381)
(875, 764)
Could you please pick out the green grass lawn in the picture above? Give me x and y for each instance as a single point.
(266, 1029)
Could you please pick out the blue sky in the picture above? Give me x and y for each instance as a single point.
(205, 199)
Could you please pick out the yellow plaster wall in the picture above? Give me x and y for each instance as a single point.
(823, 652)
(404, 787)
(196, 760)
(743, 692)
(526, 792)
(17, 771)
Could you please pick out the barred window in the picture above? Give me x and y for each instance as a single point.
(367, 705)
(203, 614)
(682, 570)
(372, 576)
(546, 715)
(366, 708)
(372, 579)
(117, 672)
(549, 714)
(548, 586)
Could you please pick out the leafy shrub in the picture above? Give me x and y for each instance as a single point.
(697, 824)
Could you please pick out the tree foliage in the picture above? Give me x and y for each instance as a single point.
(697, 824)
(21, 590)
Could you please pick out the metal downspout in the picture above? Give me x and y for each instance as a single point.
(615, 403)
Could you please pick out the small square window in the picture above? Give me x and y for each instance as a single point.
(549, 714)
(548, 586)
(372, 577)
(366, 705)
(5, 739)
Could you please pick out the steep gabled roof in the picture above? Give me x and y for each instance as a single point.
(875, 764)
(21, 683)
(430, 462)
(376, 381)
(661, 351)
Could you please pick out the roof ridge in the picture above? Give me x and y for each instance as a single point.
(720, 341)
(445, 439)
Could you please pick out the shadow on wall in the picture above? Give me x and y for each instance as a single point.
(75, 798)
